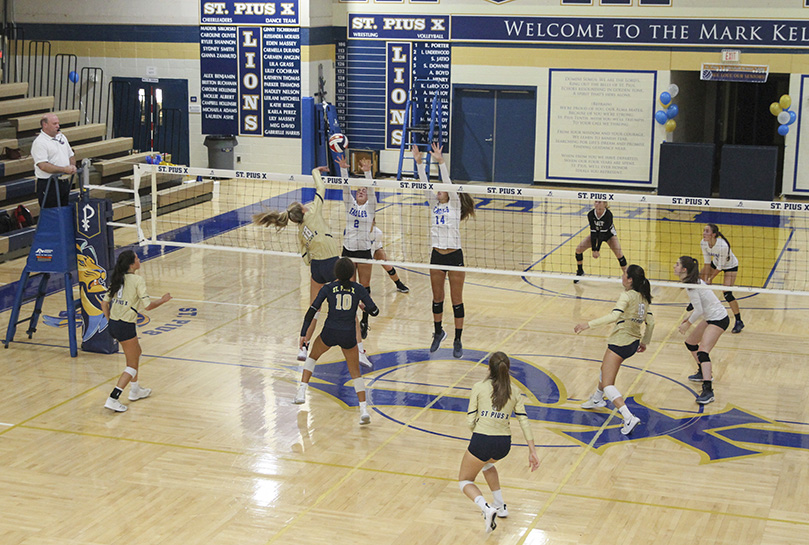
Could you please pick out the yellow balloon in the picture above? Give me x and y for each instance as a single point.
(670, 125)
(785, 101)
(775, 109)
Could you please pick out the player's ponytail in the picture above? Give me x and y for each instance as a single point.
(125, 260)
(467, 206)
(639, 281)
(501, 380)
(715, 230)
(344, 270)
(691, 267)
(293, 213)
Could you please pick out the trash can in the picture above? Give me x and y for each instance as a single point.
(220, 151)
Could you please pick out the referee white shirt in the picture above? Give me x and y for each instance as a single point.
(51, 151)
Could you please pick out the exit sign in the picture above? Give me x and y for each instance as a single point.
(731, 55)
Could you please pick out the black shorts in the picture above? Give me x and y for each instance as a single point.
(122, 331)
(723, 323)
(323, 270)
(604, 237)
(489, 447)
(453, 259)
(732, 269)
(339, 337)
(362, 254)
(625, 351)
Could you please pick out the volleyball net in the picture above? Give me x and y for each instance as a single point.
(517, 230)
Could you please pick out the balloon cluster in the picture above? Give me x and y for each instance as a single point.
(666, 117)
(786, 117)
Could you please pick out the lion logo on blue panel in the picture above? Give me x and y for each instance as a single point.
(716, 437)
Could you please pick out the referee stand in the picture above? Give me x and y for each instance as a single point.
(53, 252)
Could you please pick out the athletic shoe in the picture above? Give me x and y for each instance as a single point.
(594, 403)
(401, 288)
(364, 361)
(489, 514)
(303, 353)
(140, 393)
(115, 405)
(738, 327)
(457, 348)
(629, 424)
(696, 377)
(437, 340)
(578, 273)
(365, 418)
(364, 329)
(502, 511)
(300, 397)
(705, 397)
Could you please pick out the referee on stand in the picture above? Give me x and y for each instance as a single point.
(52, 155)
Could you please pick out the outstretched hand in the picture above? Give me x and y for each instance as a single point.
(416, 154)
(343, 162)
(437, 153)
(365, 165)
(323, 169)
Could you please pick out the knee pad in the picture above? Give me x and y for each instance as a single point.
(438, 308)
(132, 372)
(612, 393)
(457, 310)
(692, 347)
(703, 357)
(309, 365)
(359, 384)
(462, 484)
(729, 296)
(622, 261)
(392, 271)
(487, 467)
(579, 257)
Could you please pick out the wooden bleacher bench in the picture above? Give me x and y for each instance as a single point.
(110, 167)
(16, 243)
(13, 90)
(9, 143)
(85, 133)
(17, 106)
(114, 146)
(27, 123)
(12, 167)
(14, 190)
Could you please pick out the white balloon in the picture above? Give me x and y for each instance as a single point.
(673, 90)
(783, 118)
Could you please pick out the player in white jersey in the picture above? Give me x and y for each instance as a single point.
(704, 336)
(718, 257)
(448, 210)
(360, 212)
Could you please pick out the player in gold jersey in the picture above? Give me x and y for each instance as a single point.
(630, 312)
(490, 406)
(319, 249)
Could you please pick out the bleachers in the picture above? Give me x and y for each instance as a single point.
(112, 162)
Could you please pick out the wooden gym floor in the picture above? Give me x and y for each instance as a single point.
(220, 455)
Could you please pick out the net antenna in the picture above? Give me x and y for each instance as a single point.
(517, 230)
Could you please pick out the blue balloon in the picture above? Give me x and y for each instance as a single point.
(672, 111)
(792, 117)
(661, 117)
(73, 76)
(665, 98)
(148, 159)
(783, 130)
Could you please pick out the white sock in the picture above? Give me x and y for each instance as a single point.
(361, 349)
(364, 406)
(481, 503)
(133, 386)
(598, 395)
(625, 412)
(304, 385)
(498, 498)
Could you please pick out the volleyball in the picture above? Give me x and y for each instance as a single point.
(338, 143)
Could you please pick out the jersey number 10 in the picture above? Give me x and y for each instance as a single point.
(343, 302)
